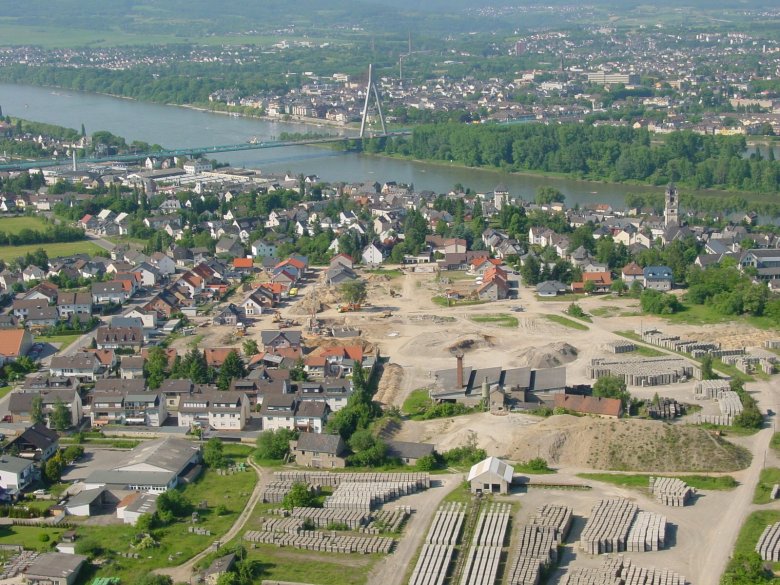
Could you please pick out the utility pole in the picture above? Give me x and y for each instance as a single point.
(371, 89)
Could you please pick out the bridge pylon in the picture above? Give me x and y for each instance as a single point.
(371, 90)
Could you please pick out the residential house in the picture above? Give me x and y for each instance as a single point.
(765, 262)
(229, 315)
(220, 411)
(632, 272)
(288, 412)
(373, 255)
(494, 285)
(319, 450)
(69, 303)
(409, 453)
(108, 337)
(20, 404)
(14, 343)
(41, 317)
(275, 340)
(15, 474)
(658, 278)
(263, 248)
(109, 292)
(131, 367)
(165, 264)
(82, 366)
(37, 443)
(54, 568)
(602, 281)
(33, 273)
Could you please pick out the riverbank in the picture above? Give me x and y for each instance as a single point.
(635, 187)
(289, 119)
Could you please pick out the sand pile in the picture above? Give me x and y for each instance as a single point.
(318, 297)
(389, 384)
(585, 442)
(469, 343)
(548, 356)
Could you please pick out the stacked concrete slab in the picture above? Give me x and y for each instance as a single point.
(484, 555)
(670, 491)
(276, 490)
(772, 344)
(537, 548)
(644, 371)
(324, 478)
(666, 409)
(768, 545)
(552, 516)
(647, 533)
(617, 525)
(619, 571)
(436, 554)
(620, 347)
(322, 517)
(368, 496)
(323, 541)
(388, 520)
(711, 389)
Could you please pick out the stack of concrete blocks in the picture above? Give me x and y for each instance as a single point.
(721, 354)
(674, 343)
(670, 491)
(744, 363)
(552, 516)
(666, 409)
(324, 478)
(537, 548)
(619, 571)
(647, 533)
(766, 359)
(323, 541)
(768, 545)
(322, 517)
(484, 555)
(620, 347)
(710, 389)
(389, 520)
(276, 490)
(728, 401)
(617, 525)
(772, 344)
(368, 496)
(282, 524)
(644, 371)
(436, 554)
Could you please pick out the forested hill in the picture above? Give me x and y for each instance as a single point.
(600, 153)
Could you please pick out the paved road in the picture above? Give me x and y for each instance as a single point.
(183, 573)
(105, 244)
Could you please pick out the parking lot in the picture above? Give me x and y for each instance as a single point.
(94, 459)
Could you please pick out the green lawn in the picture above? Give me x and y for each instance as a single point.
(417, 401)
(526, 467)
(645, 351)
(775, 443)
(10, 253)
(5, 390)
(304, 566)
(498, 319)
(752, 528)
(232, 492)
(14, 225)
(706, 315)
(63, 340)
(389, 272)
(566, 322)
(769, 477)
(641, 480)
(605, 311)
(562, 298)
(445, 302)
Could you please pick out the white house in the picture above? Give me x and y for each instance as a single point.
(15, 473)
(372, 255)
(263, 248)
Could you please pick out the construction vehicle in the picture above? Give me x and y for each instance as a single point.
(276, 318)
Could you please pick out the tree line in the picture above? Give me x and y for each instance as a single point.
(604, 153)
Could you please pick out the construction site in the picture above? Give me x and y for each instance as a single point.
(570, 530)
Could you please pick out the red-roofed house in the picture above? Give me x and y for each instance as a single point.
(243, 263)
(604, 407)
(494, 285)
(215, 356)
(601, 280)
(631, 272)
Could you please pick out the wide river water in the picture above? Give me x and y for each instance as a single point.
(178, 127)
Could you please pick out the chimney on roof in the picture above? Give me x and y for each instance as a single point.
(459, 370)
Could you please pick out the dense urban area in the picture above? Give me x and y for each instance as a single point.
(218, 373)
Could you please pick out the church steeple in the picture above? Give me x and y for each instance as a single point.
(671, 207)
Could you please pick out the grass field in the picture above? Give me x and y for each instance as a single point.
(445, 302)
(775, 443)
(566, 322)
(10, 253)
(705, 315)
(647, 351)
(641, 480)
(13, 225)
(752, 528)
(299, 566)
(769, 477)
(497, 319)
(5, 390)
(417, 401)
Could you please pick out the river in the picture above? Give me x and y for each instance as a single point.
(178, 127)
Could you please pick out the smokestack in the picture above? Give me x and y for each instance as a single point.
(485, 389)
(74, 160)
(459, 370)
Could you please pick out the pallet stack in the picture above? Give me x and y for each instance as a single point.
(670, 491)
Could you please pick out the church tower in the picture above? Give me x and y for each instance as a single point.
(672, 207)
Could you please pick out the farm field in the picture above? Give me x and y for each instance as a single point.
(10, 253)
(14, 225)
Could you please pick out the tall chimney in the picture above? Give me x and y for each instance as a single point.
(459, 370)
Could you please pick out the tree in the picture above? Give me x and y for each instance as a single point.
(546, 195)
(274, 444)
(618, 286)
(173, 504)
(155, 367)
(60, 416)
(589, 287)
(36, 410)
(72, 452)
(52, 470)
(707, 373)
(354, 291)
(250, 347)
(612, 387)
(298, 373)
(299, 496)
(232, 368)
(213, 453)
